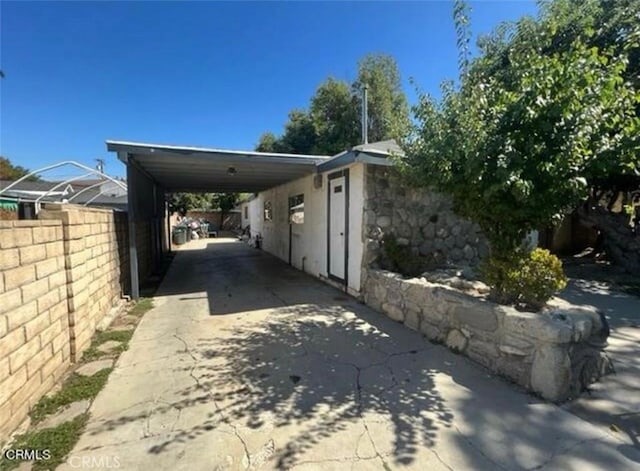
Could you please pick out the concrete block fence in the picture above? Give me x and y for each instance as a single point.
(60, 276)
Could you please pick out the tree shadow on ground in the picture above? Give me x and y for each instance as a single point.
(323, 367)
(312, 371)
(311, 376)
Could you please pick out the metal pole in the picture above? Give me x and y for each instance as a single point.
(365, 115)
(131, 215)
(167, 214)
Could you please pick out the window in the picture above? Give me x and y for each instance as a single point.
(268, 212)
(296, 209)
(246, 212)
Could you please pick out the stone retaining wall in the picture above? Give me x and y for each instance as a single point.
(420, 219)
(554, 354)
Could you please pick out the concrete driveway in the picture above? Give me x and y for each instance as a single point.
(245, 363)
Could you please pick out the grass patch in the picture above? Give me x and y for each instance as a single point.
(118, 335)
(143, 305)
(74, 389)
(58, 440)
(100, 337)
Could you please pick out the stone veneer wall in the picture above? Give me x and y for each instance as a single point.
(60, 277)
(554, 354)
(418, 218)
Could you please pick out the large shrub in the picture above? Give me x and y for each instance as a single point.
(526, 279)
(548, 108)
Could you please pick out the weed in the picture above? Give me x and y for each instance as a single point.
(75, 388)
(59, 441)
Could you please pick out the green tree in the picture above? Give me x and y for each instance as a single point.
(547, 110)
(387, 103)
(332, 123)
(268, 142)
(299, 134)
(334, 111)
(8, 171)
(225, 202)
(184, 202)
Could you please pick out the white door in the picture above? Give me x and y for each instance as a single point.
(337, 226)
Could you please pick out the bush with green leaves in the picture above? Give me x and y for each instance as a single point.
(547, 111)
(526, 279)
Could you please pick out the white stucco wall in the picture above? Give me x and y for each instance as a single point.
(244, 221)
(310, 239)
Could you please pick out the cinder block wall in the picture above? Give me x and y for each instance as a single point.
(60, 277)
(93, 242)
(34, 326)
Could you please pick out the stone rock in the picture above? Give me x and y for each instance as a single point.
(431, 331)
(380, 291)
(536, 326)
(108, 346)
(425, 248)
(468, 252)
(584, 321)
(456, 341)
(551, 373)
(460, 242)
(412, 320)
(394, 296)
(509, 350)
(442, 233)
(404, 230)
(483, 352)
(456, 230)
(478, 315)
(432, 312)
(450, 242)
(515, 368)
(402, 241)
(456, 255)
(429, 231)
(417, 293)
(370, 217)
(383, 221)
(91, 368)
(393, 312)
(70, 412)
(513, 343)
(372, 302)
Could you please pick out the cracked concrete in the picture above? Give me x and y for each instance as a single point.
(245, 363)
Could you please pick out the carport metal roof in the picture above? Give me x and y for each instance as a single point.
(179, 168)
(197, 169)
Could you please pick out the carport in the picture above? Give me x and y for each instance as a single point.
(154, 170)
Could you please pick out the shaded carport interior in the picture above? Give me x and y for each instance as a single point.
(154, 170)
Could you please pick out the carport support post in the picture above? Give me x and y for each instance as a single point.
(131, 213)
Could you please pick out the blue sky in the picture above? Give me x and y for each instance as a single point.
(202, 73)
